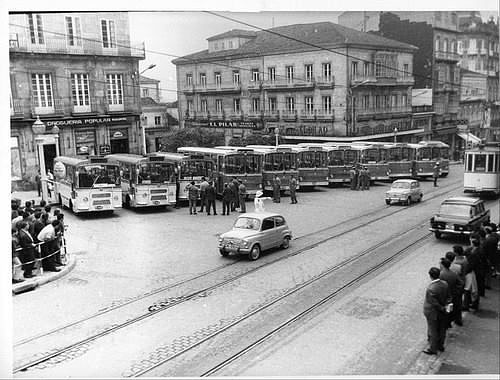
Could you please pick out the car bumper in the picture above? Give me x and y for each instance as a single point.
(450, 231)
(234, 249)
(396, 199)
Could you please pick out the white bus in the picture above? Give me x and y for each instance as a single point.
(190, 167)
(146, 180)
(87, 184)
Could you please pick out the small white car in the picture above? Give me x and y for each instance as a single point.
(404, 191)
(255, 232)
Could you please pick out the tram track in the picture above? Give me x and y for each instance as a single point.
(171, 302)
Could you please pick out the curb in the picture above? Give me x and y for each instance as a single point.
(35, 282)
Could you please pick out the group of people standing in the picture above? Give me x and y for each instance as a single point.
(458, 284)
(36, 233)
(360, 177)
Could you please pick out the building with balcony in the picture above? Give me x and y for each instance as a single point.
(436, 34)
(76, 71)
(308, 82)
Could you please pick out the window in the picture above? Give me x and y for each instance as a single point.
(272, 104)
(108, 33)
(36, 29)
(406, 70)
(80, 90)
(203, 79)
(190, 106)
(377, 102)
(309, 72)
(289, 74)
(145, 92)
(218, 105)
(404, 100)
(255, 104)
(267, 224)
(15, 159)
(73, 31)
(290, 103)
(394, 101)
(236, 77)
(222, 45)
(218, 79)
(114, 89)
(189, 79)
(157, 120)
(271, 73)
(236, 105)
(438, 44)
(216, 45)
(378, 68)
(366, 102)
(326, 102)
(41, 86)
(445, 45)
(366, 69)
(327, 71)
(203, 105)
(354, 69)
(309, 105)
(230, 44)
(255, 75)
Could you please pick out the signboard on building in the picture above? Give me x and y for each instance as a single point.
(89, 121)
(227, 124)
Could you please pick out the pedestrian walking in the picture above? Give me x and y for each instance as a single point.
(227, 197)
(276, 189)
(354, 178)
(293, 189)
(435, 308)
(17, 276)
(234, 185)
(242, 192)
(27, 244)
(210, 197)
(368, 178)
(193, 193)
(203, 196)
(471, 290)
(435, 173)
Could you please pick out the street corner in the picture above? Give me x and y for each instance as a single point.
(35, 282)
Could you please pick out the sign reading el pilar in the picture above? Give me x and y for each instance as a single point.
(228, 124)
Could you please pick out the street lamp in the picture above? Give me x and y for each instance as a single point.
(148, 68)
(395, 135)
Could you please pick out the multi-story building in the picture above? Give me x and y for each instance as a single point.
(436, 35)
(320, 82)
(479, 52)
(77, 73)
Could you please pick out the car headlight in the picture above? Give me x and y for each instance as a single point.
(245, 243)
(85, 199)
(221, 240)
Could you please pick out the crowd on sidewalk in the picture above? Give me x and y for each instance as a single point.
(458, 284)
(233, 195)
(37, 238)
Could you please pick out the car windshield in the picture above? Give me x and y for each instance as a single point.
(455, 210)
(401, 185)
(247, 223)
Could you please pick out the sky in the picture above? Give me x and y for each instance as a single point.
(171, 34)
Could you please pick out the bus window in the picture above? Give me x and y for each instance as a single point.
(371, 156)
(425, 153)
(468, 162)
(480, 163)
(125, 172)
(252, 164)
(405, 154)
(336, 158)
(350, 157)
(395, 154)
(383, 155)
(490, 163)
(444, 153)
(435, 154)
(289, 162)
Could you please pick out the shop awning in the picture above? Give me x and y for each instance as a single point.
(469, 137)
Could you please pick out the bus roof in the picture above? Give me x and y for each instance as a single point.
(178, 157)
(74, 161)
(222, 151)
(127, 157)
(270, 148)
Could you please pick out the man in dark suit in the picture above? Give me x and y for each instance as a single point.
(436, 299)
(210, 197)
(455, 285)
(27, 254)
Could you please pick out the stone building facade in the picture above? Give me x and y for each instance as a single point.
(326, 82)
(76, 71)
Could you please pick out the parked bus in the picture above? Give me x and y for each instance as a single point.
(280, 161)
(341, 158)
(146, 180)
(400, 158)
(244, 164)
(312, 165)
(190, 167)
(439, 153)
(87, 184)
(482, 169)
(374, 157)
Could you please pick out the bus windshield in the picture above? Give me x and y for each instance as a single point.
(350, 157)
(241, 164)
(336, 158)
(396, 154)
(436, 153)
(154, 172)
(312, 159)
(98, 174)
(444, 153)
(425, 153)
(371, 156)
(279, 161)
(196, 168)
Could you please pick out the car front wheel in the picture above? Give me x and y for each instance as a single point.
(223, 252)
(254, 253)
(387, 202)
(420, 198)
(408, 201)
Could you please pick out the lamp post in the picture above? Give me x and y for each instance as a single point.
(143, 127)
(395, 135)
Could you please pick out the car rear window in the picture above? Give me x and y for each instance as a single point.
(455, 210)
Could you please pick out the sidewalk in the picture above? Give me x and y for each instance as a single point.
(34, 282)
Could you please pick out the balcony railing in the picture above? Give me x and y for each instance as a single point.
(298, 82)
(418, 109)
(289, 114)
(92, 107)
(447, 55)
(17, 108)
(56, 107)
(129, 104)
(382, 111)
(325, 114)
(308, 114)
(397, 78)
(60, 45)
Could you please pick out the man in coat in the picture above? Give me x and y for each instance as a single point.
(293, 189)
(210, 197)
(235, 187)
(193, 193)
(276, 189)
(203, 194)
(436, 299)
(26, 242)
(455, 285)
(242, 191)
(435, 173)
(227, 197)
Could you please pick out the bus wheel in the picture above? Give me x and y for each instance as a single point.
(254, 253)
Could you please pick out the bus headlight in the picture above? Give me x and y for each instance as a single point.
(144, 195)
(115, 197)
(85, 199)
(420, 169)
(260, 186)
(301, 178)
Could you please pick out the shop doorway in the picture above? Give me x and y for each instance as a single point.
(119, 146)
(49, 153)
